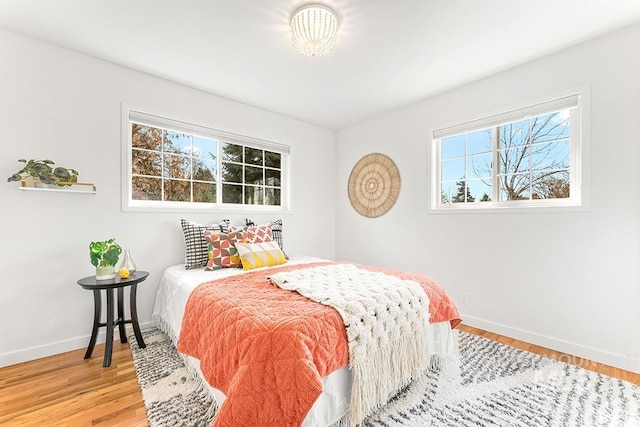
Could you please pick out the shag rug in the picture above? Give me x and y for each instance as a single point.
(488, 384)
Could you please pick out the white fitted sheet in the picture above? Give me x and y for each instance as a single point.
(177, 284)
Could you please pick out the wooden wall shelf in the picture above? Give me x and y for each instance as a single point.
(31, 184)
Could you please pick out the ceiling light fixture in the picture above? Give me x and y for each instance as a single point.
(314, 27)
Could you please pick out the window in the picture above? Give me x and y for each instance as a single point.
(528, 157)
(177, 165)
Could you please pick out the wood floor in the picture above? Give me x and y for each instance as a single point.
(66, 390)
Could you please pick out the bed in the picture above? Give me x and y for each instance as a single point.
(333, 403)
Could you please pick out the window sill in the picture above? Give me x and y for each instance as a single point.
(208, 209)
(509, 208)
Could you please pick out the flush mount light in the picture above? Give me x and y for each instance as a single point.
(314, 27)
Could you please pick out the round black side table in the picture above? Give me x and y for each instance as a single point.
(108, 286)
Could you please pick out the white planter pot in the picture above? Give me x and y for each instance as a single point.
(105, 273)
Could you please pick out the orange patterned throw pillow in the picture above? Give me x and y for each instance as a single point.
(276, 231)
(255, 233)
(222, 250)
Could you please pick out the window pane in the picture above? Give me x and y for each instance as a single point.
(452, 146)
(551, 185)
(253, 175)
(455, 192)
(253, 195)
(205, 148)
(231, 193)
(272, 160)
(176, 166)
(272, 196)
(514, 187)
(551, 127)
(175, 142)
(448, 191)
(513, 134)
(204, 170)
(231, 172)
(479, 142)
(272, 177)
(232, 152)
(479, 166)
(146, 188)
(553, 155)
(253, 156)
(146, 162)
(146, 137)
(204, 193)
(514, 160)
(479, 190)
(453, 169)
(177, 191)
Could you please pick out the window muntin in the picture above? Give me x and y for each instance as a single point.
(526, 161)
(183, 169)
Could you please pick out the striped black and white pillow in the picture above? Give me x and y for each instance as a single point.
(276, 229)
(196, 252)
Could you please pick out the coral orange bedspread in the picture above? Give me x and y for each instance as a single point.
(268, 349)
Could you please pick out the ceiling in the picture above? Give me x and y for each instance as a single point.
(388, 53)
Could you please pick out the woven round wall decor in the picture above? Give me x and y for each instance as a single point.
(374, 185)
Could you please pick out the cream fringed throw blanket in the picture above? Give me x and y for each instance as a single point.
(386, 320)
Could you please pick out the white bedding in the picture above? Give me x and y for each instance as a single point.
(177, 284)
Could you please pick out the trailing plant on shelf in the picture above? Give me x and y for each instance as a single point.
(45, 172)
(104, 256)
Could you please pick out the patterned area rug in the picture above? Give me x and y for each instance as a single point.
(171, 396)
(489, 384)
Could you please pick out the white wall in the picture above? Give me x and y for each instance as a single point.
(568, 280)
(65, 106)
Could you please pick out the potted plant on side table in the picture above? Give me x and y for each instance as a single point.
(104, 256)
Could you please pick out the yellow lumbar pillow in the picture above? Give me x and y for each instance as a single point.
(256, 255)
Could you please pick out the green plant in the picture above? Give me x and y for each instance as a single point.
(45, 172)
(104, 253)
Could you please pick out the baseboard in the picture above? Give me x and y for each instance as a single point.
(589, 353)
(39, 352)
(585, 352)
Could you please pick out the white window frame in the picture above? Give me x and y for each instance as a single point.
(578, 100)
(142, 116)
